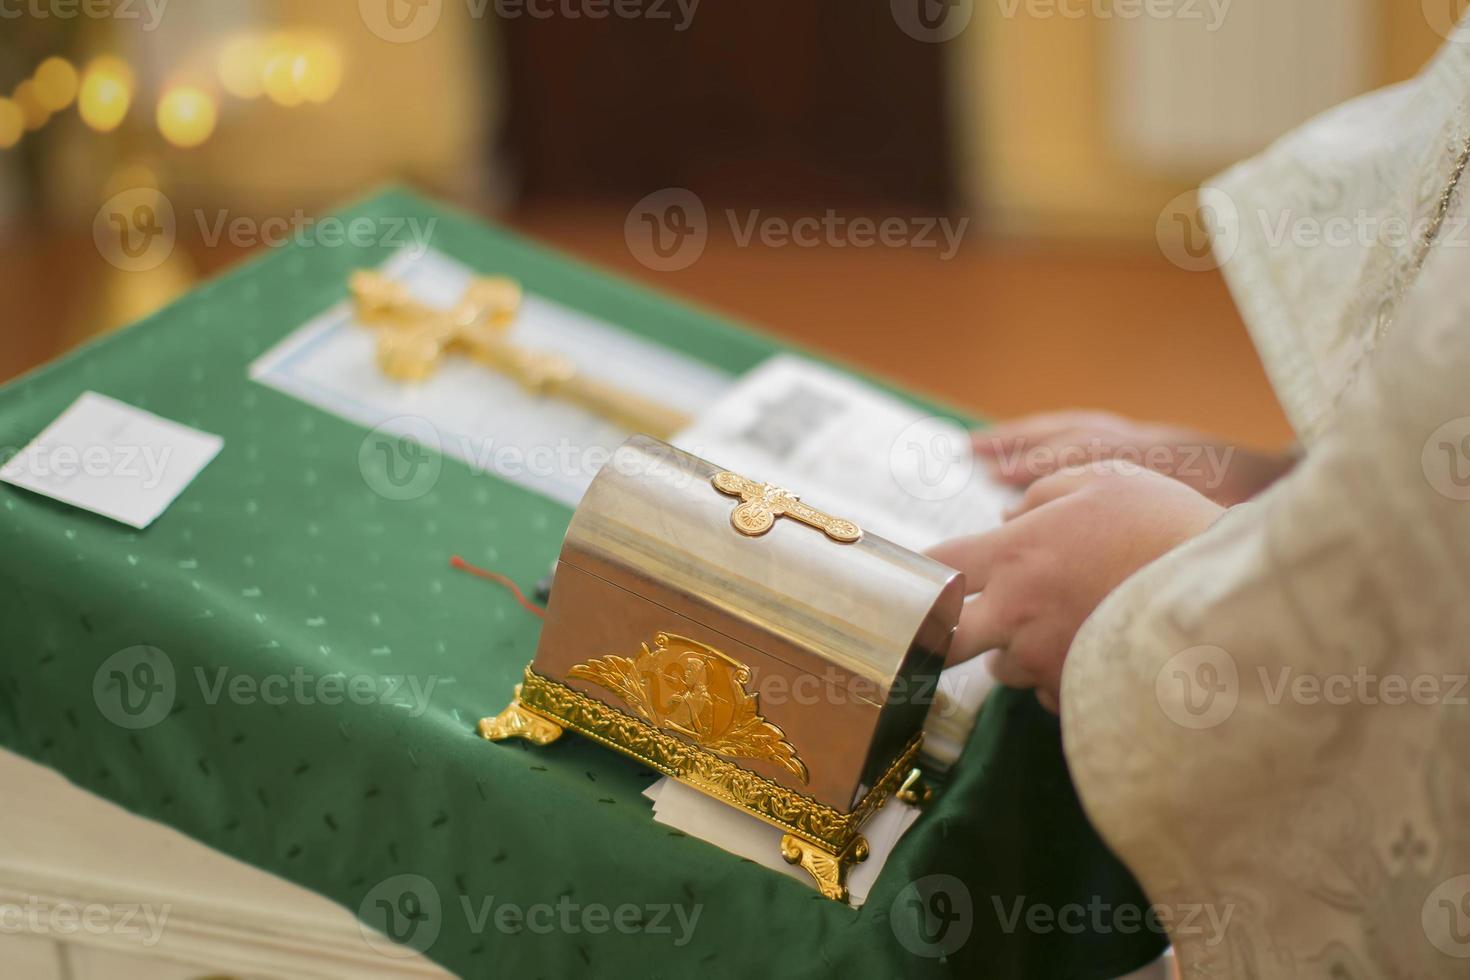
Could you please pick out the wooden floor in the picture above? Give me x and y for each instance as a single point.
(1000, 329)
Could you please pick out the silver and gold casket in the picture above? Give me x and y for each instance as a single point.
(726, 634)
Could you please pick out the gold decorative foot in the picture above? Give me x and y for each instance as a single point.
(914, 791)
(829, 870)
(518, 721)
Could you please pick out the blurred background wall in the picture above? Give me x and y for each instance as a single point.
(1063, 131)
(1085, 125)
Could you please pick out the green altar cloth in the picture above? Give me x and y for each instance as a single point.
(281, 566)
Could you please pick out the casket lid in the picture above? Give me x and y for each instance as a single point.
(654, 523)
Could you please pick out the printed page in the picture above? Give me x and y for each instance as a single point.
(851, 450)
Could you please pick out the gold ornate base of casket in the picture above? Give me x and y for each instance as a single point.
(825, 841)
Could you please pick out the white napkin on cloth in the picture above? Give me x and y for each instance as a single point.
(962, 690)
(690, 811)
(961, 693)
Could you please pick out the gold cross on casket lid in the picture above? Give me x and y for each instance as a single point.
(413, 339)
(762, 503)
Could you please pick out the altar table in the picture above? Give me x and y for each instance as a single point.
(281, 562)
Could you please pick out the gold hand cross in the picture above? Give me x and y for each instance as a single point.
(414, 339)
(762, 503)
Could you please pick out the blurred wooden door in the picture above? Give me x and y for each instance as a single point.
(824, 102)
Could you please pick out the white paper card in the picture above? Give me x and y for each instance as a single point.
(108, 457)
(470, 412)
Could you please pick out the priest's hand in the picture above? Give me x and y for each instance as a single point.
(1024, 450)
(1073, 539)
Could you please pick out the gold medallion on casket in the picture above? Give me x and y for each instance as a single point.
(696, 691)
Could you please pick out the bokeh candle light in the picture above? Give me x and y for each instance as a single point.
(56, 83)
(186, 116)
(242, 67)
(318, 70)
(33, 111)
(106, 93)
(12, 123)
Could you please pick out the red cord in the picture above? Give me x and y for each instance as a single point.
(498, 579)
